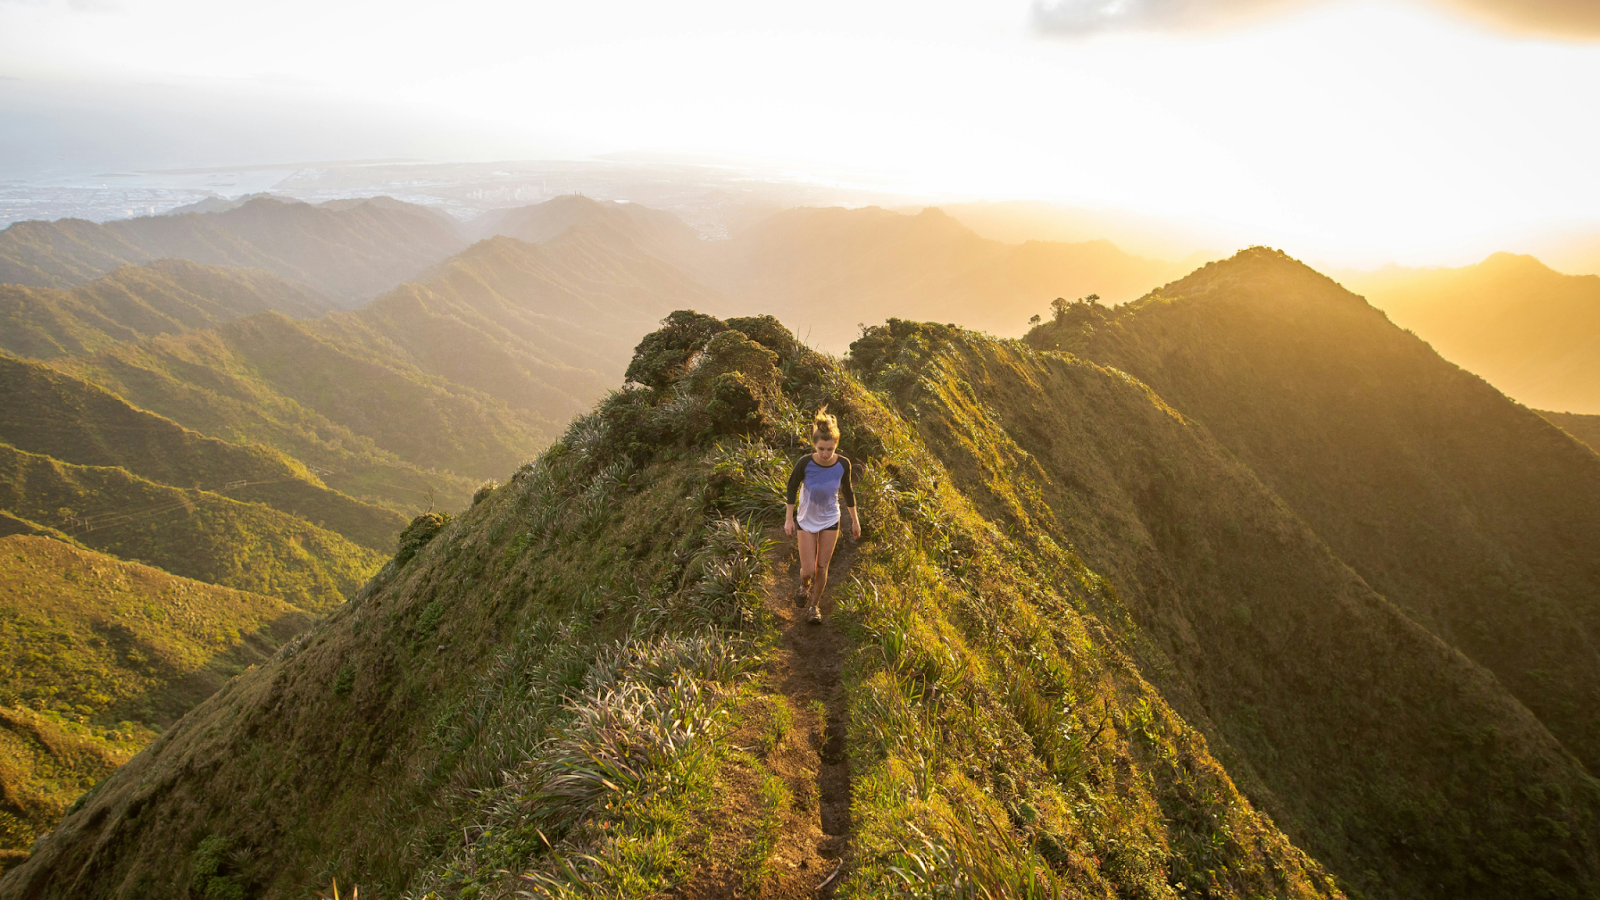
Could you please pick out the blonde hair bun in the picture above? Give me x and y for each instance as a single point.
(824, 427)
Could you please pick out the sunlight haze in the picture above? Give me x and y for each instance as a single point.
(1349, 133)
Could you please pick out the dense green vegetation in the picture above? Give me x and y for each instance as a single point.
(1088, 653)
(1529, 330)
(165, 297)
(194, 533)
(97, 655)
(1467, 511)
(348, 251)
(52, 414)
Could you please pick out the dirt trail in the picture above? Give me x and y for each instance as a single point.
(812, 760)
(808, 855)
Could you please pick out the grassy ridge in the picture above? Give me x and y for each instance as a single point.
(46, 412)
(133, 302)
(1091, 652)
(586, 610)
(1330, 707)
(1584, 428)
(197, 534)
(1467, 511)
(96, 656)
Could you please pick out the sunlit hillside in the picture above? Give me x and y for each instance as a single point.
(1468, 512)
(165, 297)
(97, 656)
(50, 413)
(1532, 332)
(1092, 642)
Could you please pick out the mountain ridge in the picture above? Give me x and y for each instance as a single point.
(1441, 492)
(1532, 332)
(349, 253)
(1087, 648)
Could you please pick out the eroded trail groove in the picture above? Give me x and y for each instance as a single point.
(807, 858)
(806, 670)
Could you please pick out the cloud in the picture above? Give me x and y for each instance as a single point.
(1570, 19)
(1564, 19)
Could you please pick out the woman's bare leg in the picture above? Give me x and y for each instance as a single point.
(819, 579)
(808, 557)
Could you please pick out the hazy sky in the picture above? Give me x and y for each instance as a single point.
(1422, 131)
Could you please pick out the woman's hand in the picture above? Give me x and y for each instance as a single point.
(788, 525)
(855, 529)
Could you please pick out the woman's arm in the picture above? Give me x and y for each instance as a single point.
(847, 493)
(792, 495)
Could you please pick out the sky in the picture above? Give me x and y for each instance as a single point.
(1420, 132)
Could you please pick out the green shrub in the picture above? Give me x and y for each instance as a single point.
(483, 491)
(210, 878)
(429, 619)
(661, 356)
(417, 535)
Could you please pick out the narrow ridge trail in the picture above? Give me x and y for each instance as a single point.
(811, 845)
(808, 853)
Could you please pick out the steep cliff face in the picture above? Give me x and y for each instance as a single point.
(1081, 649)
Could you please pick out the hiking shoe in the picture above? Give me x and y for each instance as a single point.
(815, 615)
(802, 595)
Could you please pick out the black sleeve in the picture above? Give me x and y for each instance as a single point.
(796, 477)
(847, 491)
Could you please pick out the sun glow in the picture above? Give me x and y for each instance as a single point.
(1347, 133)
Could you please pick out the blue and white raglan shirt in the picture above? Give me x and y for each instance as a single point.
(823, 487)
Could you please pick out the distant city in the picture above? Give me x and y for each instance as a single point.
(710, 198)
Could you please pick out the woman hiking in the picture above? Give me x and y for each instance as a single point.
(825, 475)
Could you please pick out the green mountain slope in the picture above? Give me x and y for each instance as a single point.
(543, 327)
(46, 412)
(1466, 510)
(377, 425)
(1530, 331)
(133, 302)
(97, 655)
(1326, 705)
(1081, 651)
(350, 251)
(824, 271)
(193, 533)
(436, 386)
(1584, 428)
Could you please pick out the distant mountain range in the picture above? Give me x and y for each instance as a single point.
(824, 271)
(167, 296)
(1529, 330)
(349, 251)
